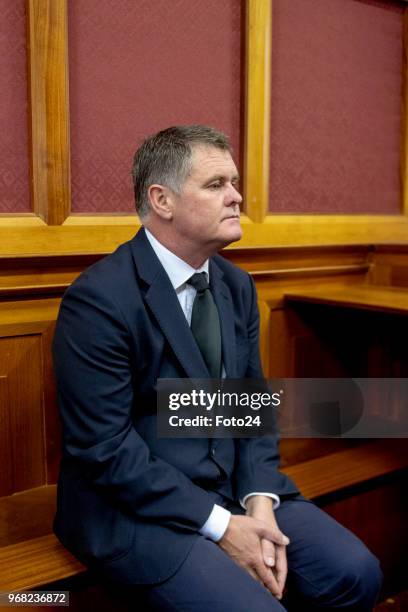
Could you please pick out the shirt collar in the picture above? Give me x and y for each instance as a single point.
(178, 270)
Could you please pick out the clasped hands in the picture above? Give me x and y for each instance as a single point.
(256, 543)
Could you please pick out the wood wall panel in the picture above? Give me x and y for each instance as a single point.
(20, 362)
(293, 341)
(30, 290)
(6, 471)
(389, 266)
(52, 422)
(26, 515)
(29, 432)
(377, 515)
(288, 332)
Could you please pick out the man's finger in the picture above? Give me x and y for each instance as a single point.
(268, 552)
(281, 567)
(273, 534)
(254, 575)
(268, 579)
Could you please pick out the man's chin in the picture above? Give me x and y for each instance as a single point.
(238, 236)
(232, 236)
(236, 232)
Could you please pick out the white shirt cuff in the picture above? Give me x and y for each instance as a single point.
(216, 524)
(275, 499)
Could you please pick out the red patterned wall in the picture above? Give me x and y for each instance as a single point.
(14, 167)
(336, 106)
(137, 67)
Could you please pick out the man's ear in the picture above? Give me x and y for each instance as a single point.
(161, 201)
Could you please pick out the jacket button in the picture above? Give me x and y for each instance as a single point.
(213, 451)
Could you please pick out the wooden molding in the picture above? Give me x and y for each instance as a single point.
(47, 276)
(102, 234)
(49, 114)
(258, 108)
(300, 230)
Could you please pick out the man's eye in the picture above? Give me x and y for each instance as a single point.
(214, 185)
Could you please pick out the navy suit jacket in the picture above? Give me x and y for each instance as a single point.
(130, 503)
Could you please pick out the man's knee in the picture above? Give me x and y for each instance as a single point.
(360, 582)
(367, 575)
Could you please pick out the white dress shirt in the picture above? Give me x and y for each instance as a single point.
(179, 272)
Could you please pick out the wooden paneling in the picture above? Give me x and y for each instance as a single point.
(52, 424)
(258, 108)
(20, 363)
(389, 266)
(49, 117)
(26, 515)
(295, 350)
(30, 276)
(6, 472)
(30, 289)
(294, 341)
(27, 317)
(275, 271)
(52, 230)
(29, 432)
(378, 515)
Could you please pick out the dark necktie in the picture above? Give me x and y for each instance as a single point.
(205, 324)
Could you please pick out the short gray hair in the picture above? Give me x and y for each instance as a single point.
(165, 159)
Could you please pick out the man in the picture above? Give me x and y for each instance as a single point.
(192, 524)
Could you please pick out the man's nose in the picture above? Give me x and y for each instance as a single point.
(234, 197)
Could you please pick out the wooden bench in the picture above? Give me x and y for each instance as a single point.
(31, 556)
(375, 298)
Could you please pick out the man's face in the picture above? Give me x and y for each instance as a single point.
(206, 211)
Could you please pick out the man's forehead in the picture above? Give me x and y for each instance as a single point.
(211, 159)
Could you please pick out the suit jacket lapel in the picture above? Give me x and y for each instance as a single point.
(163, 302)
(223, 300)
